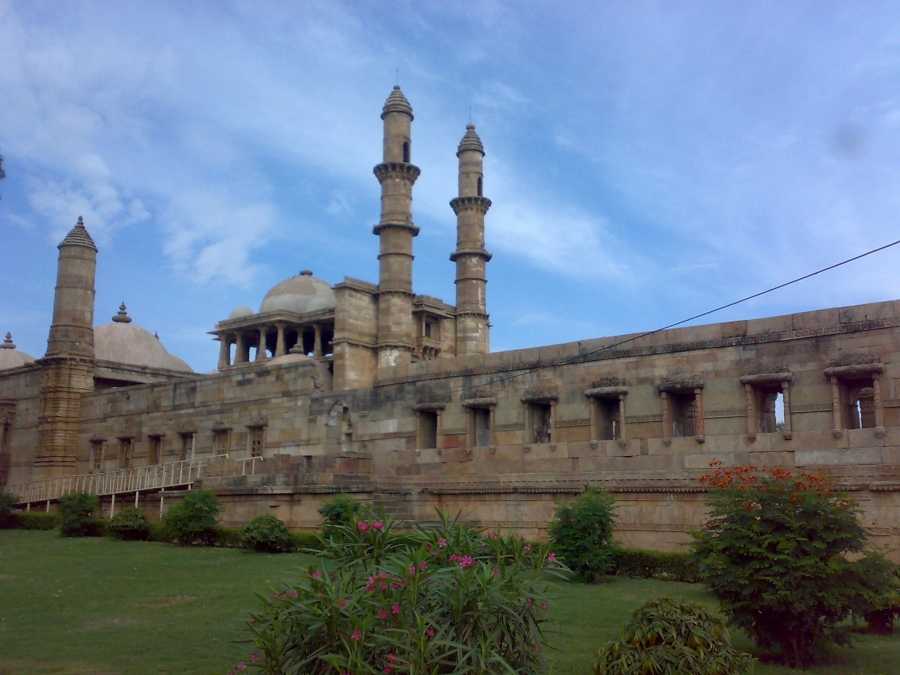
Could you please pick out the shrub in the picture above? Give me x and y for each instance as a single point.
(339, 511)
(667, 637)
(78, 514)
(876, 592)
(129, 524)
(773, 552)
(581, 533)
(430, 609)
(228, 537)
(159, 532)
(7, 513)
(193, 519)
(668, 565)
(306, 541)
(266, 534)
(37, 520)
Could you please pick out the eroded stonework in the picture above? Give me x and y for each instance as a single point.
(371, 389)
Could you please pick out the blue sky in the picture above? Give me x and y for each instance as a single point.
(646, 160)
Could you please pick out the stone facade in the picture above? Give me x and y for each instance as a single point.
(371, 389)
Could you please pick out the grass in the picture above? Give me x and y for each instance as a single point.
(102, 606)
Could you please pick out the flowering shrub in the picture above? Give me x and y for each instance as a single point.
(581, 532)
(429, 607)
(773, 551)
(266, 534)
(667, 637)
(129, 524)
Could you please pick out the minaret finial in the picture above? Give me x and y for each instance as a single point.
(122, 315)
(8, 342)
(397, 76)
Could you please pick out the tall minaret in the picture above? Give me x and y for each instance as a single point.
(395, 231)
(68, 365)
(470, 256)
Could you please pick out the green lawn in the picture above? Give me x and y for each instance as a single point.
(101, 606)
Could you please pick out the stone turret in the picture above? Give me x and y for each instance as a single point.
(68, 365)
(470, 256)
(395, 231)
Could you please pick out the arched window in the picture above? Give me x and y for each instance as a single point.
(406, 152)
(479, 187)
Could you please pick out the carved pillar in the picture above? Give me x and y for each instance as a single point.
(261, 349)
(317, 341)
(623, 437)
(223, 351)
(786, 394)
(666, 415)
(836, 412)
(876, 401)
(750, 410)
(279, 342)
(699, 431)
(240, 352)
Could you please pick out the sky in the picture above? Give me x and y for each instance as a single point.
(646, 160)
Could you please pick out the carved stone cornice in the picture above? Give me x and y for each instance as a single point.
(459, 204)
(413, 229)
(401, 170)
(475, 252)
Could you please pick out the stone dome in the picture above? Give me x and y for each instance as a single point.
(10, 357)
(125, 342)
(302, 294)
(240, 312)
(470, 141)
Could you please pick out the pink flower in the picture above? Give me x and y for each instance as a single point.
(315, 574)
(442, 543)
(527, 548)
(491, 535)
(254, 657)
(466, 561)
(391, 657)
(551, 557)
(362, 526)
(378, 525)
(383, 614)
(430, 632)
(412, 570)
(357, 635)
(395, 608)
(423, 566)
(544, 604)
(342, 602)
(387, 669)
(292, 594)
(241, 667)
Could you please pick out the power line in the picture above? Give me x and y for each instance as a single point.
(584, 358)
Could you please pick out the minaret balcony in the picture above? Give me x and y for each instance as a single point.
(480, 252)
(396, 170)
(459, 204)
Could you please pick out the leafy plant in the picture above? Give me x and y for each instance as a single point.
(193, 519)
(78, 514)
(425, 607)
(668, 565)
(7, 513)
(581, 533)
(339, 511)
(129, 524)
(876, 582)
(267, 534)
(668, 637)
(774, 553)
(36, 520)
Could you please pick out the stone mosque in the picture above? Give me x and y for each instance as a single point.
(367, 388)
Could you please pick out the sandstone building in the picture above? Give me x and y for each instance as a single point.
(370, 388)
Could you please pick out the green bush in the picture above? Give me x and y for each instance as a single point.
(876, 596)
(37, 520)
(581, 533)
(668, 565)
(79, 517)
(7, 512)
(228, 537)
(667, 637)
(306, 541)
(339, 511)
(774, 552)
(193, 520)
(432, 609)
(129, 524)
(159, 532)
(266, 534)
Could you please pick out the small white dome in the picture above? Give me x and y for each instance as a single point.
(125, 342)
(302, 294)
(240, 312)
(10, 357)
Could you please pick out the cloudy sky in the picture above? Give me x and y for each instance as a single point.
(646, 160)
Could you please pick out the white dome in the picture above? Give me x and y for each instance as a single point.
(124, 342)
(240, 312)
(302, 294)
(10, 357)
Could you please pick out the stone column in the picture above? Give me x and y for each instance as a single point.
(261, 349)
(223, 351)
(876, 401)
(240, 352)
(317, 341)
(279, 342)
(699, 429)
(666, 415)
(623, 437)
(836, 412)
(786, 392)
(750, 410)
